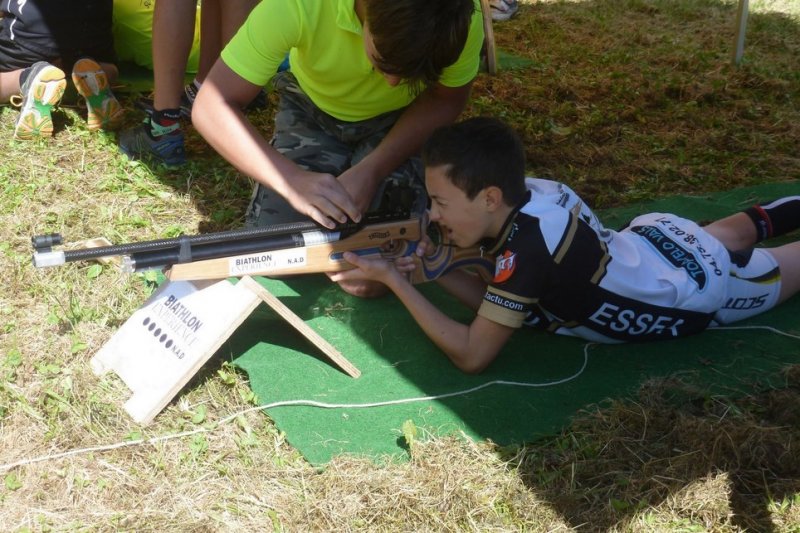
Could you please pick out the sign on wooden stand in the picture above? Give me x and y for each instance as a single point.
(163, 344)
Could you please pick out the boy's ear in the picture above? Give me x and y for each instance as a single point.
(494, 197)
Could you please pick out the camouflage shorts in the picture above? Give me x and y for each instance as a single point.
(319, 142)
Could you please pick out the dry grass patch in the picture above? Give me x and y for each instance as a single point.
(636, 99)
(676, 455)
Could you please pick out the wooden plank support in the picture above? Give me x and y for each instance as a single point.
(297, 323)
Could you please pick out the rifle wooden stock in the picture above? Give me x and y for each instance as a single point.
(447, 258)
(325, 257)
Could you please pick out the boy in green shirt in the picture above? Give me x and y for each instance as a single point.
(369, 81)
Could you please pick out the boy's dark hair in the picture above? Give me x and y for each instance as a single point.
(417, 39)
(480, 152)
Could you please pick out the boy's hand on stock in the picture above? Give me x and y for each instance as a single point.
(422, 248)
(366, 268)
(425, 246)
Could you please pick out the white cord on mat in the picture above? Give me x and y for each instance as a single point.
(768, 328)
(289, 403)
(312, 403)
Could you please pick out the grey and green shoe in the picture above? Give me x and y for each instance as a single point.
(102, 108)
(41, 91)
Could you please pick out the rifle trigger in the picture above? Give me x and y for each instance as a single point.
(185, 250)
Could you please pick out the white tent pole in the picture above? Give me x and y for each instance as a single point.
(741, 26)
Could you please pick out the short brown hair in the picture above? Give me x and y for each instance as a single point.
(478, 153)
(417, 39)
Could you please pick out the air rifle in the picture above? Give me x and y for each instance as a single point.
(277, 250)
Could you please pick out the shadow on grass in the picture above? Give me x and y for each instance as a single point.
(628, 456)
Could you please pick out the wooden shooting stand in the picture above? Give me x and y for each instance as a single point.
(158, 350)
(163, 344)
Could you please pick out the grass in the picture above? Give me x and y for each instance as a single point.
(623, 99)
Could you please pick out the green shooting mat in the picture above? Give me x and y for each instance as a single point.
(533, 389)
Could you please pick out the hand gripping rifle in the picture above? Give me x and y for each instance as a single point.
(282, 249)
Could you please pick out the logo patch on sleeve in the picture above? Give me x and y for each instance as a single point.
(504, 266)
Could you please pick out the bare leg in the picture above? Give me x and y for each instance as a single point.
(788, 257)
(159, 137)
(218, 24)
(773, 219)
(173, 34)
(233, 16)
(9, 85)
(210, 37)
(736, 232)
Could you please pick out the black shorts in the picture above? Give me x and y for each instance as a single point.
(56, 31)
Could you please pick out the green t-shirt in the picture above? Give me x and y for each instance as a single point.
(326, 52)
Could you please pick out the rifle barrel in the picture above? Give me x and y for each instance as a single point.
(186, 247)
(214, 250)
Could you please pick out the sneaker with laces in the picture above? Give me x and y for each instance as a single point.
(503, 9)
(151, 141)
(103, 110)
(42, 90)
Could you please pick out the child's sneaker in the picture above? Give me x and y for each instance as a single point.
(151, 141)
(42, 89)
(503, 9)
(103, 109)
